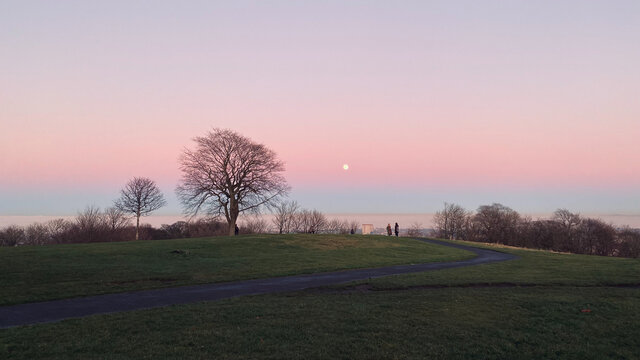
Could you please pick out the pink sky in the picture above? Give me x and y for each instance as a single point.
(415, 97)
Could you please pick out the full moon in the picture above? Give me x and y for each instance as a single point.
(345, 166)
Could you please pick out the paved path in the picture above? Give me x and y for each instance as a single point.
(57, 310)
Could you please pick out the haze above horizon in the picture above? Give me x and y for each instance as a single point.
(530, 104)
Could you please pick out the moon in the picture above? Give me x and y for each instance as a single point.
(345, 167)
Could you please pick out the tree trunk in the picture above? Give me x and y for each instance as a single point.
(233, 217)
(137, 225)
(232, 226)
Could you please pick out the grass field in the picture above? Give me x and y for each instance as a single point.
(38, 273)
(533, 268)
(472, 323)
(540, 306)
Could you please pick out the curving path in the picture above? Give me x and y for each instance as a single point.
(50, 311)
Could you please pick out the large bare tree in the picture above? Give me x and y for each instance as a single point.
(497, 223)
(140, 197)
(227, 174)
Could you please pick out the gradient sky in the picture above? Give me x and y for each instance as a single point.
(534, 104)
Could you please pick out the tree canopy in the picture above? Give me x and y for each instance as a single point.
(140, 197)
(227, 174)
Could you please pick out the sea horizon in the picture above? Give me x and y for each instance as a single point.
(379, 220)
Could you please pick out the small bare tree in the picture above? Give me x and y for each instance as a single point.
(255, 225)
(90, 225)
(450, 222)
(302, 221)
(37, 234)
(12, 236)
(415, 229)
(569, 225)
(318, 222)
(353, 226)
(337, 226)
(629, 242)
(568, 219)
(284, 216)
(116, 219)
(228, 174)
(59, 230)
(118, 223)
(140, 197)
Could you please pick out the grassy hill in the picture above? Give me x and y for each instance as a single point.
(37, 273)
(543, 305)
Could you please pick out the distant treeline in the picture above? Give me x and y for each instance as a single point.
(564, 231)
(94, 225)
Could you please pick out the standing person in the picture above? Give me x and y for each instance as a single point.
(237, 230)
(397, 229)
(388, 229)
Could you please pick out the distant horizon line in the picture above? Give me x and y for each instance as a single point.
(353, 213)
(377, 219)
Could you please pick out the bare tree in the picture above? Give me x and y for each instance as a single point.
(354, 226)
(317, 222)
(334, 226)
(59, 230)
(337, 226)
(497, 223)
(450, 222)
(90, 225)
(302, 221)
(37, 234)
(568, 219)
(140, 197)
(284, 216)
(569, 224)
(228, 174)
(207, 227)
(595, 237)
(415, 229)
(116, 219)
(118, 223)
(179, 229)
(254, 225)
(12, 236)
(629, 242)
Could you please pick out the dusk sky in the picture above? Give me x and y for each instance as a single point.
(533, 104)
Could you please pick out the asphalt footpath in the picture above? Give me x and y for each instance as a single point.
(51, 311)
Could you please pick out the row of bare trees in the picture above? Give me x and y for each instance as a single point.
(564, 231)
(91, 225)
(112, 224)
(290, 218)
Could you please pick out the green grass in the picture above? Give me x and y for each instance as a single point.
(535, 267)
(38, 273)
(530, 308)
(520, 323)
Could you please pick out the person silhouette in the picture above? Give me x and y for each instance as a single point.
(397, 229)
(389, 229)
